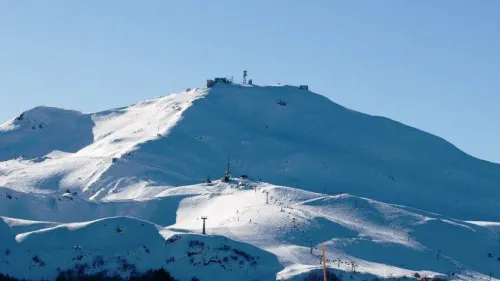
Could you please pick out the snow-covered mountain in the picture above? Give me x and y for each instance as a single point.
(384, 197)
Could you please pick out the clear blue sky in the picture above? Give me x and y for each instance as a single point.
(434, 65)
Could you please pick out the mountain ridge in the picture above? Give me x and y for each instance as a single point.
(268, 132)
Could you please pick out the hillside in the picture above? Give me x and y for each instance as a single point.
(278, 134)
(123, 191)
(122, 246)
(282, 234)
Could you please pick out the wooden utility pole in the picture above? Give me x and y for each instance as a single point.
(324, 262)
(203, 218)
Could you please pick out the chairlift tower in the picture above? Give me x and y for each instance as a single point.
(244, 76)
(204, 219)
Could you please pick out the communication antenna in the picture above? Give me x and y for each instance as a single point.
(244, 76)
(228, 168)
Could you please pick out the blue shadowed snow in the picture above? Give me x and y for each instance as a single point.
(42, 130)
(320, 146)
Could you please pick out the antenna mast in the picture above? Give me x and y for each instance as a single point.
(244, 76)
(228, 168)
(227, 174)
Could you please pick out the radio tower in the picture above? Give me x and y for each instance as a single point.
(227, 174)
(244, 76)
(228, 168)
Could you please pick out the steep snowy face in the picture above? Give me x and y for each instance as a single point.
(280, 134)
(116, 132)
(297, 138)
(48, 149)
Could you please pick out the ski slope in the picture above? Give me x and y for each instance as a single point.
(386, 200)
(287, 226)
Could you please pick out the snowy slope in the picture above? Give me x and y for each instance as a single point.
(55, 157)
(41, 130)
(124, 245)
(70, 208)
(381, 239)
(345, 151)
(389, 199)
